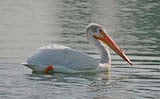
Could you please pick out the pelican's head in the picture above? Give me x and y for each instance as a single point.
(96, 33)
(93, 30)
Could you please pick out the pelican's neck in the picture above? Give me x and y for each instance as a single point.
(105, 61)
(105, 54)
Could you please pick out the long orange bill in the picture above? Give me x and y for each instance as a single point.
(107, 40)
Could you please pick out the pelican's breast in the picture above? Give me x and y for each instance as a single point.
(62, 56)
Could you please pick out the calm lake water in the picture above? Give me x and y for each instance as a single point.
(26, 25)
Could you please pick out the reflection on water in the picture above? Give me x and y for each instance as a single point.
(27, 25)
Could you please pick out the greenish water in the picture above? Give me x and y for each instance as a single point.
(29, 24)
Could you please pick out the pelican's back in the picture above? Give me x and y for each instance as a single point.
(62, 56)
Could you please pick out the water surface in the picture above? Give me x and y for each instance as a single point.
(27, 25)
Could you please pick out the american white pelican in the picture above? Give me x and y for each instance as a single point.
(58, 58)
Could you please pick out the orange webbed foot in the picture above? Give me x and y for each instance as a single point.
(49, 69)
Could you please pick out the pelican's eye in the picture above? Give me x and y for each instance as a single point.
(102, 33)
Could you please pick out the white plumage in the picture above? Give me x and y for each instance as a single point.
(67, 60)
(64, 59)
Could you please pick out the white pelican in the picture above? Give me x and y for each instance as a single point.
(58, 58)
